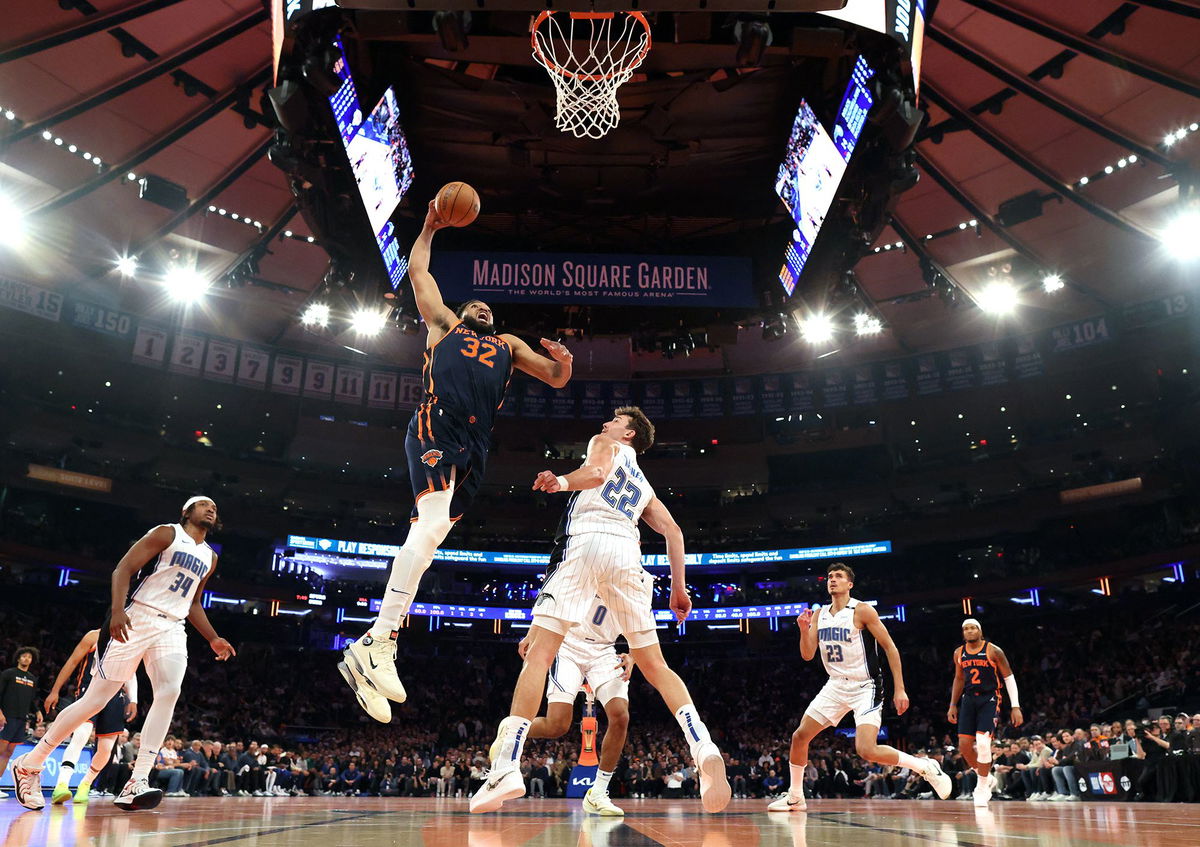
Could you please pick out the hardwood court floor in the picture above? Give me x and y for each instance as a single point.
(370, 822)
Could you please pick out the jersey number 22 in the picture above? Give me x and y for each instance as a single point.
(632, 494)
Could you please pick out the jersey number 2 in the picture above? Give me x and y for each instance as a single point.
(489, 351)
(975, 676)
(182, 584)
(628, 500)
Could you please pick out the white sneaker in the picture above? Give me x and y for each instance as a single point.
(981, 795)
(1074, 798)
(137, 794)
(599, 803)
(28, 784)
(714, 787)
(941, 783)
(373, 703)
(505, 785)
(374, 661)
(788, 803)
(3, 795)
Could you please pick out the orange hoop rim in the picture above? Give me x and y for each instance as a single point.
(546, 63)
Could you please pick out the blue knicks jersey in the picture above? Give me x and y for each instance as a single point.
(466, 375)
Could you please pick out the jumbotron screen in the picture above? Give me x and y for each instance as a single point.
(814, 165)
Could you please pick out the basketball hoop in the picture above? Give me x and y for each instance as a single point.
(588, 61)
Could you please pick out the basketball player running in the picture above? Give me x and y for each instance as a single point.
(975, 700)
(108, 724)
(848, 634)
(147, 627)
(589, 654)
(466, 374)
(598, 551)
(18, 688)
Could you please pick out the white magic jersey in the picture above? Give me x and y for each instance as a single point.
(615, 506)
(596, 635)
(175, 575)
(846, 652)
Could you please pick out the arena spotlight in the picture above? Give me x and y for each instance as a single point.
(1052, 283)
(368, 321)
(127, 265)
(865, 324)
(1179, 236)
(12, 222)
(817, 328)
(185, 285)
(317, 314)
(998, 298)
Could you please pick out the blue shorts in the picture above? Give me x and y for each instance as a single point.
(14, 731)
(437, 441)
(111, 719)
(978, 713)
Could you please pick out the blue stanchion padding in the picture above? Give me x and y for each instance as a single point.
(582, 777)
(50, 768)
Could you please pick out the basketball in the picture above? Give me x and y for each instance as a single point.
(457, 203)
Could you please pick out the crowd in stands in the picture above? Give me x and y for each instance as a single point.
(278, 719)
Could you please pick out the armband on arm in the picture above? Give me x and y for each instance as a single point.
(1010, 684)
(563, 485)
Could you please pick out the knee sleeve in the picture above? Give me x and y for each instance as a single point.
(983, 747)
(432, 525)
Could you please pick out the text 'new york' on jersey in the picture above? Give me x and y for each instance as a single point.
(981, 677)
(465, 375)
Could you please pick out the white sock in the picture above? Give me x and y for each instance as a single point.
(796, 789)
(912, 763)
(64, 774)
(600, 786)
(693, 728)
(513, 732)
(79, 739)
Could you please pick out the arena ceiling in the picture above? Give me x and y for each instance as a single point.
(1022, 97)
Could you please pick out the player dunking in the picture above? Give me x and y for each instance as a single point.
(466, 373)
(589, 653)
(598, 551)
(108, 724)
(145, 627)
(975, 700)
(849, 634)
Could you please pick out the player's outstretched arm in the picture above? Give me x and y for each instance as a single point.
(658, 517)
(81, 649)
(1010, 683)
(434, 311)
(866, 616)
(592, 474)
(956, 689)
(199, 619)
(146, 548)
(555, 371)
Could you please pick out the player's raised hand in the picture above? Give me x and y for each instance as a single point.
(119, 625)
(804, 619)
(546, 481)
(558, 352)
(681, 603)
(222, 648)
(433, 221)
(901, 701)
(625, 663)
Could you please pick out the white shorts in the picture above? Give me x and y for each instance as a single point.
(152, 636)
(838, 696)
(598, 563)
(602, 670)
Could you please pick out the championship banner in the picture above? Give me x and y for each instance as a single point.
(652, 400)
(683, 401)
(771, 398)
(834, 391)
(993, 364)
(960, 370)
(712, 399)
(533, 398)
(929, 375)
(594, 402)
(744, 399)
(1028, 361)
(563, 405)
(596, 278)
(895, 381)
(866, 389)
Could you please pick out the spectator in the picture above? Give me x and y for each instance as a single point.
(167, 769)
(350, 780)
(772, 784)
(196, 770)
(539, 775)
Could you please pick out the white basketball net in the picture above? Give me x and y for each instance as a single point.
(588, 61)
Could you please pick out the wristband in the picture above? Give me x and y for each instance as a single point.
(563, 485)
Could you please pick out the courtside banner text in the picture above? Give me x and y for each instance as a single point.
(595, 278)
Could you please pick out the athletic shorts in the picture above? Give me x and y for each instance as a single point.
(111, 719)
(153, 636)
(601, 670)
(978, 713)
(15, 730)
(438, 441)
(839, 696)
(598, 563)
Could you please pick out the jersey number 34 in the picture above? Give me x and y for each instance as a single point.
(628, 499)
